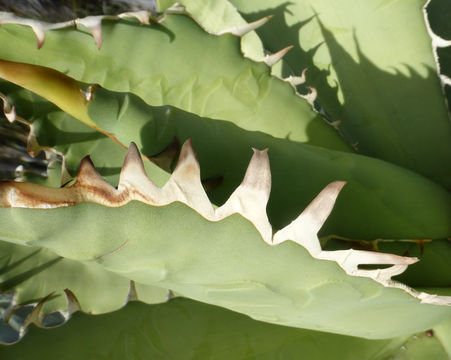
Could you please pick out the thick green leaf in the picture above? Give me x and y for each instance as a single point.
(394, 212)
(420, 347)
(240, 295)
(220, 16)
(385, 201)
(382, 89)
(35, 272)
(201, 73)
(59, 131)
(443, 333)
(185, 329)
(224, 263)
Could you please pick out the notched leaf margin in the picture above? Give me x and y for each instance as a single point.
(248, 200)
(94, 25)
(38, 318)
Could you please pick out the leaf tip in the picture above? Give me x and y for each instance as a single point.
(73, 305)
(272, 59)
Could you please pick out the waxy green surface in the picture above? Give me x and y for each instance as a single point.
(382, 90)
(386, 201)
(225, 263)
(178, 64)
(184, 328)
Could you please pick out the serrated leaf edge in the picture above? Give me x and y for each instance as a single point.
(248, 200)
(438, 42)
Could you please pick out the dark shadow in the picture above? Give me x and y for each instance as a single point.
(11, 283)
(299, 171)
(430, 271)
(37, 300)
(53, 136)
(439, 14)
(385, 114)
(108, 171)
(11, 266)
(448, 94)
(444, 55)
(64, 10)
(296, 60)
(14, 158)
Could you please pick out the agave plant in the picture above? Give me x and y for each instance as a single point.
(282, 161)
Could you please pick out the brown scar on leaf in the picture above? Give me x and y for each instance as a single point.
(356, 244)
(421, 243)
(112, 252)
(248, 200)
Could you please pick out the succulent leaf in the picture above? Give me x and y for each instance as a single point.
(166, 233)
(130, 119)
(127, 118)
(383, 94)
(210, 241)
(184, 328)
(222, 85)
(42, 272)
(443, 332)
(33, 273)
(56, 132)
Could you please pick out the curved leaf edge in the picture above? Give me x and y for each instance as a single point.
(145, 17)
(36, 315)
(248, 200)
(38, 318)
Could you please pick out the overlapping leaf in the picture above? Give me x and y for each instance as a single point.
(207, 75)
(184, 328)
(58, 131)
(382, 93)
(394, 211)
(34, 273)
(126, 107)
(125, 118)
(249, 276)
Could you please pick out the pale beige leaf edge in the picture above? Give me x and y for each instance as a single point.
(249, 200)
